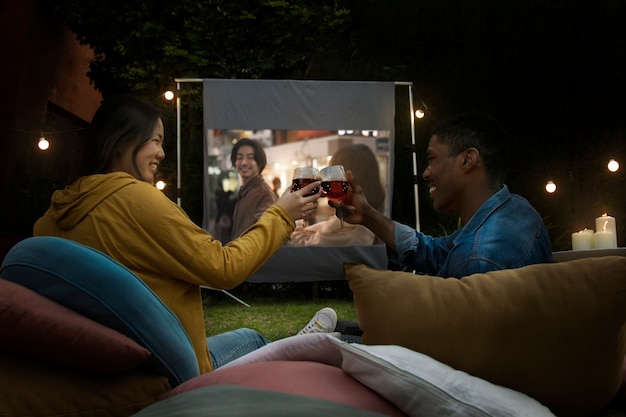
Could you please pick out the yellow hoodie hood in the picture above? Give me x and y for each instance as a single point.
(71, 205)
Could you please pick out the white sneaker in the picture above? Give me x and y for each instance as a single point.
(324, 321)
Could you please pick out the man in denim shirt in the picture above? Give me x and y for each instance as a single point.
(465, 174)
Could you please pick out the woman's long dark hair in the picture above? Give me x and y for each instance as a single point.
(120, 121)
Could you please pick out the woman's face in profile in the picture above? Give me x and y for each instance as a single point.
(148, 157)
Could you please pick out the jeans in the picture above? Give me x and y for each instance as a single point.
(228, 346)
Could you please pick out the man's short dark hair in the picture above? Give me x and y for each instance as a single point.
(480, 131)
(259, 153)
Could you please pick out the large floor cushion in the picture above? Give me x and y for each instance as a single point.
(36, 327)
(33, 388)
(94, 285)
(421, 386)
(236, 401)
(323, 366)
(313, 379)
(555, 332)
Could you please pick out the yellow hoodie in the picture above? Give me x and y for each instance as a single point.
(137, 225)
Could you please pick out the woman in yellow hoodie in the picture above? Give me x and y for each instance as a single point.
(114, 208)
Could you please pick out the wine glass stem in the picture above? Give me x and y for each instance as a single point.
(340, 214)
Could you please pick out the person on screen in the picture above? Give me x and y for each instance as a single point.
(465, 175)
(255, 195)
(276, 184)
(361, 160)
(114, 208)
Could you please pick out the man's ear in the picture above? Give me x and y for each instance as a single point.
(471, 157)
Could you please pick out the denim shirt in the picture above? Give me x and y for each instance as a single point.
(506, 232)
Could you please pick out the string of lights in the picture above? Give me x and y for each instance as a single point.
(43, 143)
(422, 111)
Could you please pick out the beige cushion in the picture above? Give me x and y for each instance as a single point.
(555, 332)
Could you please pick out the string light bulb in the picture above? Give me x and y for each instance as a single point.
(43, 143)
(613, 165)
(168, 95)
(160, 185)
(550, 187)
(419, 113)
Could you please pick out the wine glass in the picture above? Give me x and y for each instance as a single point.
(335, 186)
(302, 177)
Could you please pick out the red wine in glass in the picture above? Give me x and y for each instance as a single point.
(335, 190)
(302, 177)
(299, 183)
(335, 186)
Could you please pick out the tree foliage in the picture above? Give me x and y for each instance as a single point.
(142, 46)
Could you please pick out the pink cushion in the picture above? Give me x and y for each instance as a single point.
(312, 379)
(32, 325)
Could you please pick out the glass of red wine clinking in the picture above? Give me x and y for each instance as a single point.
(302, 177)
(335, 186)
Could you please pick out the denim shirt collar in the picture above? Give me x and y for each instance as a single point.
(488, 207)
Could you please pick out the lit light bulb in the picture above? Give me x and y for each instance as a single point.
(168, 95)
(550, 187)
(43, 143)
(160, 185)
(419, 113)
(613, 165)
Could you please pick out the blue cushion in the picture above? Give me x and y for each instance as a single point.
(96, 286)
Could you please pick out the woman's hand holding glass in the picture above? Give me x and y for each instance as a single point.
(300, 203)
(303, 176)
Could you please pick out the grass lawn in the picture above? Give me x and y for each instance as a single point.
(276, 315)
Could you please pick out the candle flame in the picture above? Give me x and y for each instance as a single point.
(604, 214)
(605, 223)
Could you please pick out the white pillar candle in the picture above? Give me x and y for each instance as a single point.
(606, 223)
(604, 240)
(582, 240)
(590, 233)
